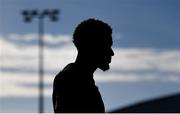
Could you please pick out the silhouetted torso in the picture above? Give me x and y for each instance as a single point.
(75, 91)
(74, 88)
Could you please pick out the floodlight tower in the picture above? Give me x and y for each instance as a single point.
(28, 15)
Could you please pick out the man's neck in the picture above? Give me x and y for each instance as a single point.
(85, 65)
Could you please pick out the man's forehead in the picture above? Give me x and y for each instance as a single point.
(108, 40)
(104, 40)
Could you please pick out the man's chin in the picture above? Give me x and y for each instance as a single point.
(104, 67)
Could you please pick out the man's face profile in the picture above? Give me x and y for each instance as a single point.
(104, 54)
(93, 40)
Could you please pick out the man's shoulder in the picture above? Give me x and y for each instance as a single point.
(68, 69)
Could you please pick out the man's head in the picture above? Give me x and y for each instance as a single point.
(93, 40)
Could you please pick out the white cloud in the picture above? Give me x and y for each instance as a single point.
(48, 38)
(12, 85)
(128, 65)
(114, 77)
(146, 59)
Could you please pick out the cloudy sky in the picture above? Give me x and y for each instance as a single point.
(146, 45)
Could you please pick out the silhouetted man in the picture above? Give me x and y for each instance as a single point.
(74, 87)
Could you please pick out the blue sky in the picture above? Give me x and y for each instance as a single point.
(146, 45)
(142, 23)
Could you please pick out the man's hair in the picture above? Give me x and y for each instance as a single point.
(91, 32)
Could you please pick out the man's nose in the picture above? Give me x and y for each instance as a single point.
(112, 52)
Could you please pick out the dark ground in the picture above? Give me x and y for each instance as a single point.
(159, 105)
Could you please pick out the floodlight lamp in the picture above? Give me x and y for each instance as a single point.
(55, 12)
(54, 18)
(45, 12)
(25, 13)
(34, 12)
(27, 19)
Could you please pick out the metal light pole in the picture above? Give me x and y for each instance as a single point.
(28, 15)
